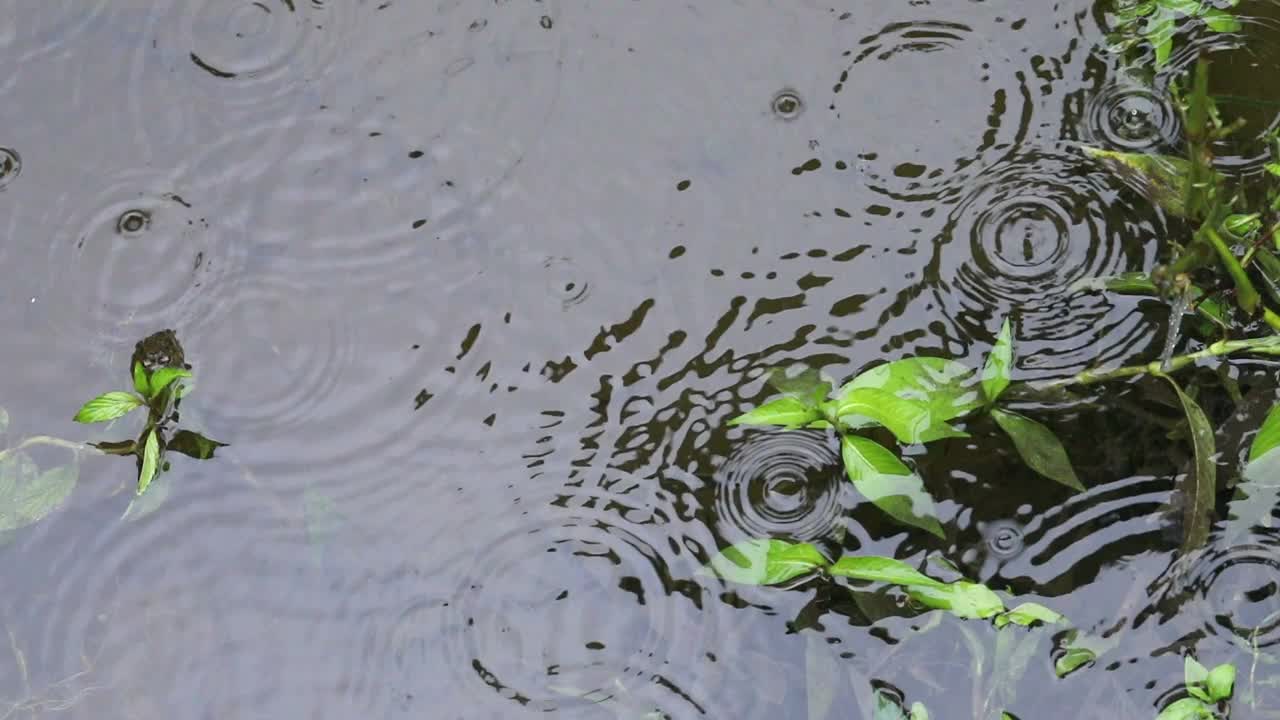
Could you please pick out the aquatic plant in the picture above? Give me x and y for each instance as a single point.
(1157, 22)
(1207, 690)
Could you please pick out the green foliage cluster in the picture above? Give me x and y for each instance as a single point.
(1156, 23)
(1207, 691)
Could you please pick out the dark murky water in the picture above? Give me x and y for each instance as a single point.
(472, 287)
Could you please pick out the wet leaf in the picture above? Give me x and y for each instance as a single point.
(140, 383)
(150, 462)
(918, 712)
(1028, 614)
(150, 501)
(945, 389)
(1198, 692)
(766, 562)
(1073, 659)
(1268, 437)
(28, 495)
(910, 421)
(108, 406)
(1186, 709)
(1197, 487)
(962, 598)
(1241, 225)
(884, 480)
(807, 385)
(162, 377)
(124, 447)
(1221, 21)
(1221, 682)
(996, 372)
(1163, 178)
(887, 707)
(1039, 448)
(194, 445)
(1193, 673)
(789, 412)
(882, 569)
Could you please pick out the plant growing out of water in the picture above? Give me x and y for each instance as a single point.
(916, 399)
(1208, 691)
(160, 378)
(1156, 22)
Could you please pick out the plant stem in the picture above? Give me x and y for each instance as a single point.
(1246, 295)
(1268, 345)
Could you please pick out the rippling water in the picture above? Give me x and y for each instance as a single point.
(472, 288)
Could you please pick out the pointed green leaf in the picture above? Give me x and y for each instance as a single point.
(1164, 48)
(788, 412)
(1268, 437)
(108, 406)
(1221, 682)
(161, 378)
(910, 421)
(882, 569)
(962, 598)
(766, 562)
(1198, 487)
(140, 383)
(150, 462)
(1073, 659)
(124, 447)
(807, 385)
(918, 712)
(996, 373)
(1198, 693)
(945, 388)
(194, 445)
(1221, 21)
(1039, 448)
(1193, 672)
(1186, 709)
(1163, 178)
(1181, 7)
(882, 478)
(1028, 614)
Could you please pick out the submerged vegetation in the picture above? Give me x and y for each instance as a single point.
(1220, 280)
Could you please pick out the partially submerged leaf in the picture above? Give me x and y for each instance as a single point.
(1268, 437)
(4, 421)
(1220, 20)
(766, 561)
(1221, 682)
(1193, 673)
(194, 445)
(1197, 487)
(108, 406)
(963, 599)
(789, 412)
(882, 569)
(1162, 178)
(996, 371)
(28, 494)
(1073, 659)
(1186, 709)
(807, 385)
(1039, 448)
(1028, 614)
(150, 501)
(150, 462)
(124, 447)
(910, 421)
(162, 377)
(943, 389)
(884, 480)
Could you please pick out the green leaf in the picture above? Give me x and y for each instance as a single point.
(1268, 437)
(887, 707)
(766, 562)
(1221, 682)
(1273, 168)
(124, 447)
(1164, 48)
(108, 406)
(910, 421)
(1039, 448)
(1241, 226)
(194, 445)
(789, 412)
(1198, 693)
(162, 377)
(882, 569)
(946, 389)
(996, 372)
(150, 461)
(1221, 21)
(1197, 488)
(1186, 709)
(28, 495)
(918, 712)
(1028, 614)
(1193, 673)
(1073, 659)
(1163, 178)
(140, 383)
(962, 598)
(807, 386)
(882, 478)
(1181, 7)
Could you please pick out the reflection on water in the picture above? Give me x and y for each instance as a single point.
(473, 288)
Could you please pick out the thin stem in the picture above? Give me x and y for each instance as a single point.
(1268, 345)
(1246, 295)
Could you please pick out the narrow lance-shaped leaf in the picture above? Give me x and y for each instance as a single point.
(140, 383)
(1162, 178)
(789, 412)
(766, 561)
(1197, 487)
(1027, 614)
(882, 478)
(882, 569)
(108, 406)
(996, 372)
(1039, 448)
(963, 599)
(150, 461)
